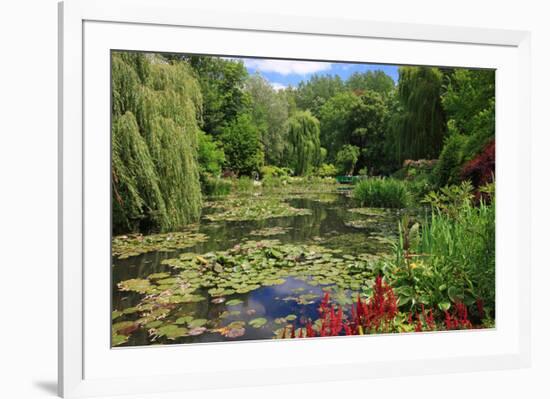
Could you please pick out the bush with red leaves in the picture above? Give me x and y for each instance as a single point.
(481, 169)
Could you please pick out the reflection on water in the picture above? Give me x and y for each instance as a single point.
(328, 225)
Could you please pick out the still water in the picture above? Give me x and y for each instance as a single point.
(330, 224)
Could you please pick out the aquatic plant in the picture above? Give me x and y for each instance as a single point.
(253, 208)
(125, 246)
(227, 274)
(382, 193)
(216, 186)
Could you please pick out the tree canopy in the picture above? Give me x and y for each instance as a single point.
(154, 139)
(269, 111)
(304, 143)
(419, 124)
(178, 117)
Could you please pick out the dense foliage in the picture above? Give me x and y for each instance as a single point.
(382, 193)
(178, 116)
(304, 143)
(270, 116)
(155, 112)
(419, 121)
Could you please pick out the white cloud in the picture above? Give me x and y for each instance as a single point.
(277, 86)
(284, 67)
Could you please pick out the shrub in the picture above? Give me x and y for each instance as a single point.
(447, 170)
(382, 193)
(450, 257)
(346, 159)
(273, 171)
(481, 169)
(420, 186)
(327, 170)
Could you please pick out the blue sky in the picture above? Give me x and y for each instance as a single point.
(281, 73)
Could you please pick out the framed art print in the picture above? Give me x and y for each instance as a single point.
(252, 200)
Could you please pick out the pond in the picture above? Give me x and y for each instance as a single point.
(248, 279)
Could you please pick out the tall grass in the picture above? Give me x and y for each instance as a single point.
(462, 247)
(382, 193)
(216, 186)
(243, 185)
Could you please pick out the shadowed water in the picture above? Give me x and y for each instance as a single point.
(328, 225)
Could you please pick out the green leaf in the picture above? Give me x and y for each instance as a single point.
(119, 339)
(455, 294)
(258, 322)
(197, 323)
(444, 305)
(234, 302)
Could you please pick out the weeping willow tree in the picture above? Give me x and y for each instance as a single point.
(155, 173)
(304, 143)
(419, 121)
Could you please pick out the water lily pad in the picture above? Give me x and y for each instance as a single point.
(125, 327)
(253, 208)
(138, 285)
(116, 314)
(136, 244)
(258, 322)
(156, 276)
(291, 317)
(172, 331)
(184, 319)
(236, 324)
(131, 310)
(270, 231)
(197, 323)
(119, 339)
(154, 324)
(234, 302)
(168, 281)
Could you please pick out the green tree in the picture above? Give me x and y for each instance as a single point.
(378, 81)
(335, 119)
(304, 144)
(270, 115)
(346, 159)
(242, 146)
(419, 123)
(368, 121)
(211, 155)
(222, 86)
(154, 143)
(311, 95)
(469, 103)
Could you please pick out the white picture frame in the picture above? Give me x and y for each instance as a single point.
(90, 29)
